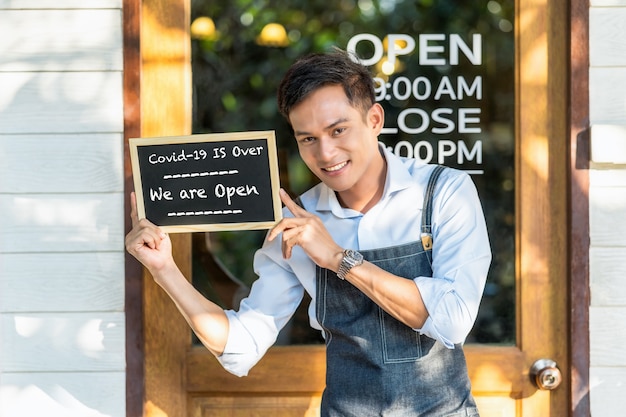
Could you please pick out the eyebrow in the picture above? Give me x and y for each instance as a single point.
(330, 126)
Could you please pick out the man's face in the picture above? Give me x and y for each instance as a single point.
(337, 142)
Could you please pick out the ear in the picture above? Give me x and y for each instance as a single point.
(376, 118)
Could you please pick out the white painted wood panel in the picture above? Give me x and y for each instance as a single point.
(608, 276)
(62, 335)
(608, 386)
(63, 282)
(61, 4)
(607, 3)
(607, 218)
(608, 145)
(61, 40)
(62, 342)
(607, 36)
(71, 394)
(607, 89)
(607, 213)
(61, 222)
(61, 102)
(608, 337)
(607, 177)
(70, 163)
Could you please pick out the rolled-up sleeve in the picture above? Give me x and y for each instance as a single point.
(461, 259)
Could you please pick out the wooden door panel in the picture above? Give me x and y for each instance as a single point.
(497, 406)
(298, 374)
(247, 406)
(491, 369)
(286, 369)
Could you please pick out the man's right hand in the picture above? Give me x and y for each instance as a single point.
(147, 242)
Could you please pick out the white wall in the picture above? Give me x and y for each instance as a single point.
(607, 199)
(62, 349)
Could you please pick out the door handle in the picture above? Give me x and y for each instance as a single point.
(545, 374)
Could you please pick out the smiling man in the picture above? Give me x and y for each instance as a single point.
(394, 255)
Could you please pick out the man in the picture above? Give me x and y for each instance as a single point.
(395, 265)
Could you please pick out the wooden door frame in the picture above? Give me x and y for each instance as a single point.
(578, 207)
(133, 303)
(156, 363)
(157, 64)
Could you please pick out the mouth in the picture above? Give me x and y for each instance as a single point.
(335, 168)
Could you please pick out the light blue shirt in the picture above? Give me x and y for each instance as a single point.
(461, 258)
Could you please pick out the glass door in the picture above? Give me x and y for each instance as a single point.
(478, 87)
(444, 73)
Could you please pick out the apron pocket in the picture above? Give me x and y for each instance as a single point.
(400, 343)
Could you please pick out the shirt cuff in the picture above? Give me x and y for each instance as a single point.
(432, 291)
(429, 330)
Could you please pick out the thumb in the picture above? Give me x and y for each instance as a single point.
(134, 217)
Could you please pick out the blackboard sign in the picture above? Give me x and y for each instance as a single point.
(222, 181)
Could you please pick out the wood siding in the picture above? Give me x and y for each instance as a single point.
(607, 206)
(62, 321)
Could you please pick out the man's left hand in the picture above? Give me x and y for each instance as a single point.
(307, 231)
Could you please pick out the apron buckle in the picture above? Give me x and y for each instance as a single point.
(427, 241)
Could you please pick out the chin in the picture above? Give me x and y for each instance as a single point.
(338, 188)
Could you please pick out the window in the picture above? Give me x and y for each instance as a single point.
(444, 73)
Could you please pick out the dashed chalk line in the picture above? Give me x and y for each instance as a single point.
(200, 174)
(202, 213)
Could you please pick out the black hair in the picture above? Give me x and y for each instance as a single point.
(314, 71)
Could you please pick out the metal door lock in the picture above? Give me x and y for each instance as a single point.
(545, 374)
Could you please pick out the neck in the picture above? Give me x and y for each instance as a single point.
(362, 197)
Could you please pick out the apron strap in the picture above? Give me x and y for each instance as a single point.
(427, 213)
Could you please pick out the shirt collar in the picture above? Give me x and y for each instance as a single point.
(398, 178)
(398, 175)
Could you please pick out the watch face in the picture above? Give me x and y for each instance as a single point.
(354, 257)
(351, 258)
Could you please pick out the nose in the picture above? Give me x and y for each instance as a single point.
(326, 148)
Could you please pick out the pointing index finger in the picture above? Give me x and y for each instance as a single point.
(294, 208)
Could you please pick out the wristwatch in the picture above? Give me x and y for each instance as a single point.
(351, 258)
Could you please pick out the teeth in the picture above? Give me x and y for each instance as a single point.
(336, 167)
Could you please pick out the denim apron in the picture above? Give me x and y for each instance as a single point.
(378, 366)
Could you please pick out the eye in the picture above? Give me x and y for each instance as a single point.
(338, 131)
(306, 139)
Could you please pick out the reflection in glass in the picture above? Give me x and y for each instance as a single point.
(444, 73)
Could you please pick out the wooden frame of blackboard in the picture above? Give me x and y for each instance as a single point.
(215, 150)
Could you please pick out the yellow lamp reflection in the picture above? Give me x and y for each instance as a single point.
(203, 28)
(273, 34)
(386, 67)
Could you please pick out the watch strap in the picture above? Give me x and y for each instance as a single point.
(351, 258)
